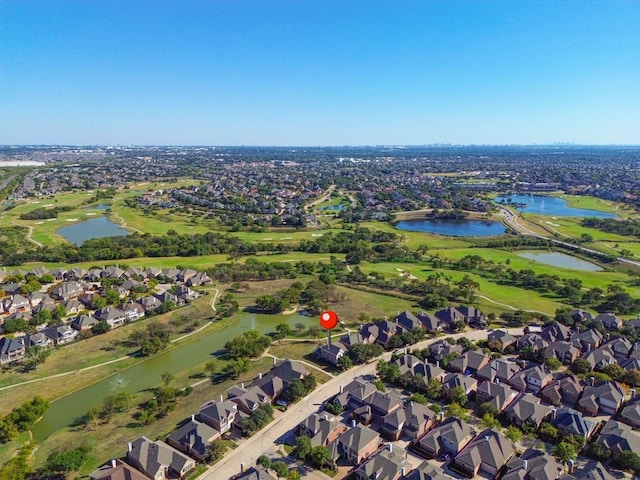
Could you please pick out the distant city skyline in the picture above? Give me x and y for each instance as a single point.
(319, 72)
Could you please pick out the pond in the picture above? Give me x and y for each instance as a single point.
(100, 206)
(544, 205)
(336, 208)
(94, 228)
(454, 228)
(561, 260)
(65, 411)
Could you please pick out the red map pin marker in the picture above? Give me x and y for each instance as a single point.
(328, 320)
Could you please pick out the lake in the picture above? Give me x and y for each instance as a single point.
(454, 228)
(65, 411)
(561, 260)
(100, 206)
(333, 207)
(94, 228)
(544, 205)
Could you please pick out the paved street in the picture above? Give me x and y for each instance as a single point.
(249, 451)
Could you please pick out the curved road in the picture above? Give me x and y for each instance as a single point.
(250, 449)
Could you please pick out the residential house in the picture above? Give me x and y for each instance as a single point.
(469, 362)
(270, 384)
(248, 399)
(186, 274)
(449, 315)
(68, 290)
(61, 334)
(112, 315)
(357, 444)
(386, 331)
(46, 303)
(532, 379)
(439, 349)
(39, 339)
(563, 390)
(488, 453)
(610, 321)
(606, 399)
(473, 316)
(591, 470)
(587, 340)
(84, 322)
(499, 395)
(133, 311)
(580, 316)
(533, 465)
(254, 473)
(331, 353)
(426, 471)
(219, 415)
(157, 459)
(533, 341)
(453, 380)
(384, 465)
(630, 414)
(193, 438)
(556, 332)
(566, 352)
(320, 429)
(288, 371)
(199, 279)
(414, 420)
(370, 333)
(150, 303)
(185, 294)
(450, 437)
(620, 346)
(571, 422)
(619, 437)
(351, 339)
(600, 357)
(497, 369)
(527, 409)
(430, 322)
(16, 303)
(72, 307)
(408, 321)
(167, 296)
(355, 394)
(502, 337)
(630, 364)
(58, 274)
(429, 371)
(382, 404)
(76, 273)
(117, 470)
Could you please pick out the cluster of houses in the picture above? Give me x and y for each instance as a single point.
(75, 289)
(526, 393)
(189, 443)
(382, 332)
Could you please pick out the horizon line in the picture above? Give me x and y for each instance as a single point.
(395, 145)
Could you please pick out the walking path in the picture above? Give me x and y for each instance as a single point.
(327, 193)
(29, 237)
(253, 447)
(115, 360)
(510, 307)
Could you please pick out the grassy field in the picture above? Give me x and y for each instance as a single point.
(590, 203)
(414, 240)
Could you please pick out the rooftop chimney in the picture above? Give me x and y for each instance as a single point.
(390, 447)
(275, 361)
(404, 471)
(571, 462)
(113, 464)
(193, 417)
(221, 397)
(525, 464)
(486, 438)
(242, 385)
(129, 447)
(353, 423)
(260, 375)
(554, 412)
(241, 467)
(341, 388)
(633, 392)
(497, 380)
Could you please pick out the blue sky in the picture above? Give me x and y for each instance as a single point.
(319, 72)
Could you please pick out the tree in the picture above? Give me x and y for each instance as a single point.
(299, 327)
(487, 408)
(598, 451)
(458, 395)
(457, 411)
(295, 390)
(632, 377)
(264, 461)
(615, 371)
(434, 389)
(66, 461)
(167, 378)
(564, 451)
(489, 421)
(280, 468)
(628, 460)
(36, 355)
(345, 363)
(418, 398)
(293, 475)
(101, 327)
(553, 363)
(238, 366)
(314, 331)
(216, 450)
(321, 456)
(548, 432)
(513, 433)
(283, 330)
(580, 365)
(303, 447)
(212, 367)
